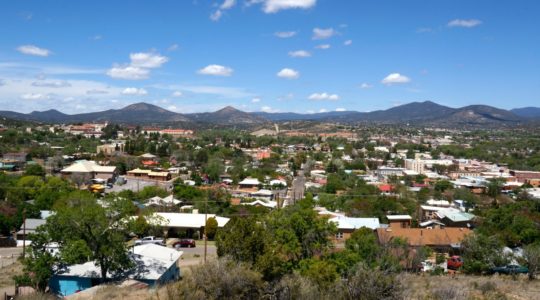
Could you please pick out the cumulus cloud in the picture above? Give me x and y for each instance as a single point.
(322, 110)
(288, 73)
(395, 78)
(128, 72)
(134, 91)
(323, 33)
(216, 70)
(323, 46)
(341, 109)
(256, 100)
(285, 34)
(227, 4)
(96, 92)
(34, 96)
(33, 50)
(177, 94)
(172, 108)
(299, 53)
(464, 23)
(365, 85)
(51, 84)
(347, 43)
(323, 96)
(273, 6)
(139, 67)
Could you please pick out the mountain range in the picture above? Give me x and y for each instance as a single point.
(426, 112)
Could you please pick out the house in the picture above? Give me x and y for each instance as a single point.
(89, 170)
(347, 225)
(110, 149)
(153, 265)
(140, 173)
(452, 217)
(249, 183)
(185, 222)
(439, 239)
(29, 227)
(18, 157)
(167, 201)
(261, 203)
(399, 221)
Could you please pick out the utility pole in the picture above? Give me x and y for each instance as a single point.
(205, 221)
(24, 233)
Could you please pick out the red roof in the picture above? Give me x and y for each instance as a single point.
(385, 188)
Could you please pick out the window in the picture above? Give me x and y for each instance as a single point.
(339, 235)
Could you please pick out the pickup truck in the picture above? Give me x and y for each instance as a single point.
(149, 240)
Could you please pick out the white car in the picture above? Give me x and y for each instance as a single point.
(149, 240)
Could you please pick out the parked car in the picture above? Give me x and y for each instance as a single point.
(509, 269)
(190, 243)
(149, 240)
(454, 262)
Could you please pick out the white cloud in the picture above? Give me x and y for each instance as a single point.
(268, 109)
(366, 85)
(34, 96)
(395, 78)
(273, 6)
(464, 23)
(177, 94)
(256, 100)
(322, 110)
(96, 92)
(310, 111)
(128, 72)
(216, 70)
(288, 73)
(323, 46)
(134, 91)
(341, 109)
(323, 96)
(285, 34)
(139, 66)
(299, 53)
(321, 33)
(173, 47)
(347, 43)
(97, 37)
(215, 16)
(147, 60)
(172, 108)
(52, 84)
(2, 82)
(33, 50)
(227, 4)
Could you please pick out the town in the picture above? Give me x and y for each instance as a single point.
(426, 200)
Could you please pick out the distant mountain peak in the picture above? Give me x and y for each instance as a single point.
(228, 109)
(143, 106)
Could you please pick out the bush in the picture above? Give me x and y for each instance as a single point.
(373, 284)
(221, 279)
(449, 293)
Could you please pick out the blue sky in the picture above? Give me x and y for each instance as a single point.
(268, 55)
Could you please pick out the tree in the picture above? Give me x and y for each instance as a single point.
(442, 185)
(531, 253)
(494, 188)
(481, 253)
(34, 170)
(81, 224)
(211, 228)
(364, 243)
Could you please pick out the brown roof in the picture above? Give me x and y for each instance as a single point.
(424, 237)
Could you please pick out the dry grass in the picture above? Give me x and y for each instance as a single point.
(470, 287)
(7, 273)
